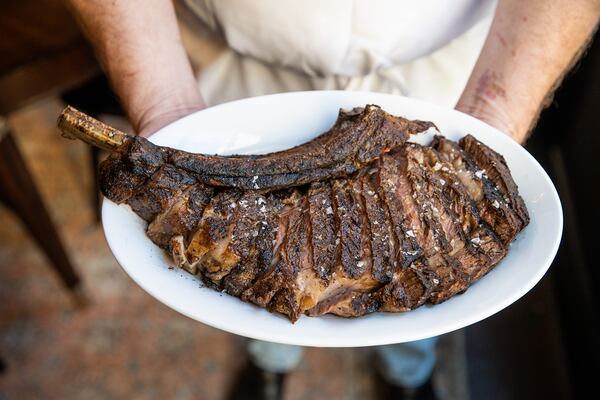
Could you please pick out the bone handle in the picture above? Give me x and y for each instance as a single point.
(76, 125)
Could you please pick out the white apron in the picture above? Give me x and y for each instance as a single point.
(424, 49)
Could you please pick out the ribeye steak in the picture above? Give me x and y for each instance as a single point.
(355, 221)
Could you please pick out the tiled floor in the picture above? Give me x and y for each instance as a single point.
(125, 344)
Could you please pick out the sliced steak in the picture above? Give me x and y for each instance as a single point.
(450, 204)
(278, 275)
(293, 253)
(180, 216)
(491, 203)
(438, 231)
(478, 248)
(495, 168)
(383, 240)
(156, 194)
(208, 246)
(394, 187)
(349, 214)
(257, 257)
(410, 288)
(323, 228)
(353, 222)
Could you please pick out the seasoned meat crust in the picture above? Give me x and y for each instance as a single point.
(356, 221)
(358, 137)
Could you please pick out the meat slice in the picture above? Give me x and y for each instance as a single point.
(474, 247)
(478, 248)
(494, 207)
(398, 200)
(180, 216)
(292, 285)
(495, 168)
(208, 248)
(383, 241)
(278, 275)
(354, 252)
(172, 201)
(410, 279)
(255, 259)
(409, 288)
(156, 193)
(249, 220)
(294, 257)
(432, 234)
(354, 274)
(323, 228)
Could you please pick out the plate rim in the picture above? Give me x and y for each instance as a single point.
(365, 341)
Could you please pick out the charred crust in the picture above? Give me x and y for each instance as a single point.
(353, 222)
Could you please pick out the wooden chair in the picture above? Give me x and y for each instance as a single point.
(43, 53)
(19, 192)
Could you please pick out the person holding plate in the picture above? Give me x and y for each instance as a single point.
(498, 61)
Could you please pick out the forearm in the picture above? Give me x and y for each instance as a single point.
(139, 46)
(530, 47)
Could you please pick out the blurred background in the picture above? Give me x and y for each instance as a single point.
(74, 326)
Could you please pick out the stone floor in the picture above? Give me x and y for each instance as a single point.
(125, 344)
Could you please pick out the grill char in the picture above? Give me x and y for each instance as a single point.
(373, 225)
(357, 138)
(383, 243)
(350, 229)
(456, 215)
(495, 206)
(323, 228)
(496, 170)
(475, 245)
(257, 257)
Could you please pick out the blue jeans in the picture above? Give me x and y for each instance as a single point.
(404, 364)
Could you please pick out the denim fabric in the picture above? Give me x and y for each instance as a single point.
(407, 364)
(404, 364)
(274, 357)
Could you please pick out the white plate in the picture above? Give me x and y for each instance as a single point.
(276, 122)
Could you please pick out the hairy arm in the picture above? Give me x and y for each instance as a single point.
(139, 46)
(531, 45)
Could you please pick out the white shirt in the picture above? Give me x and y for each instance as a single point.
(339, 37)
